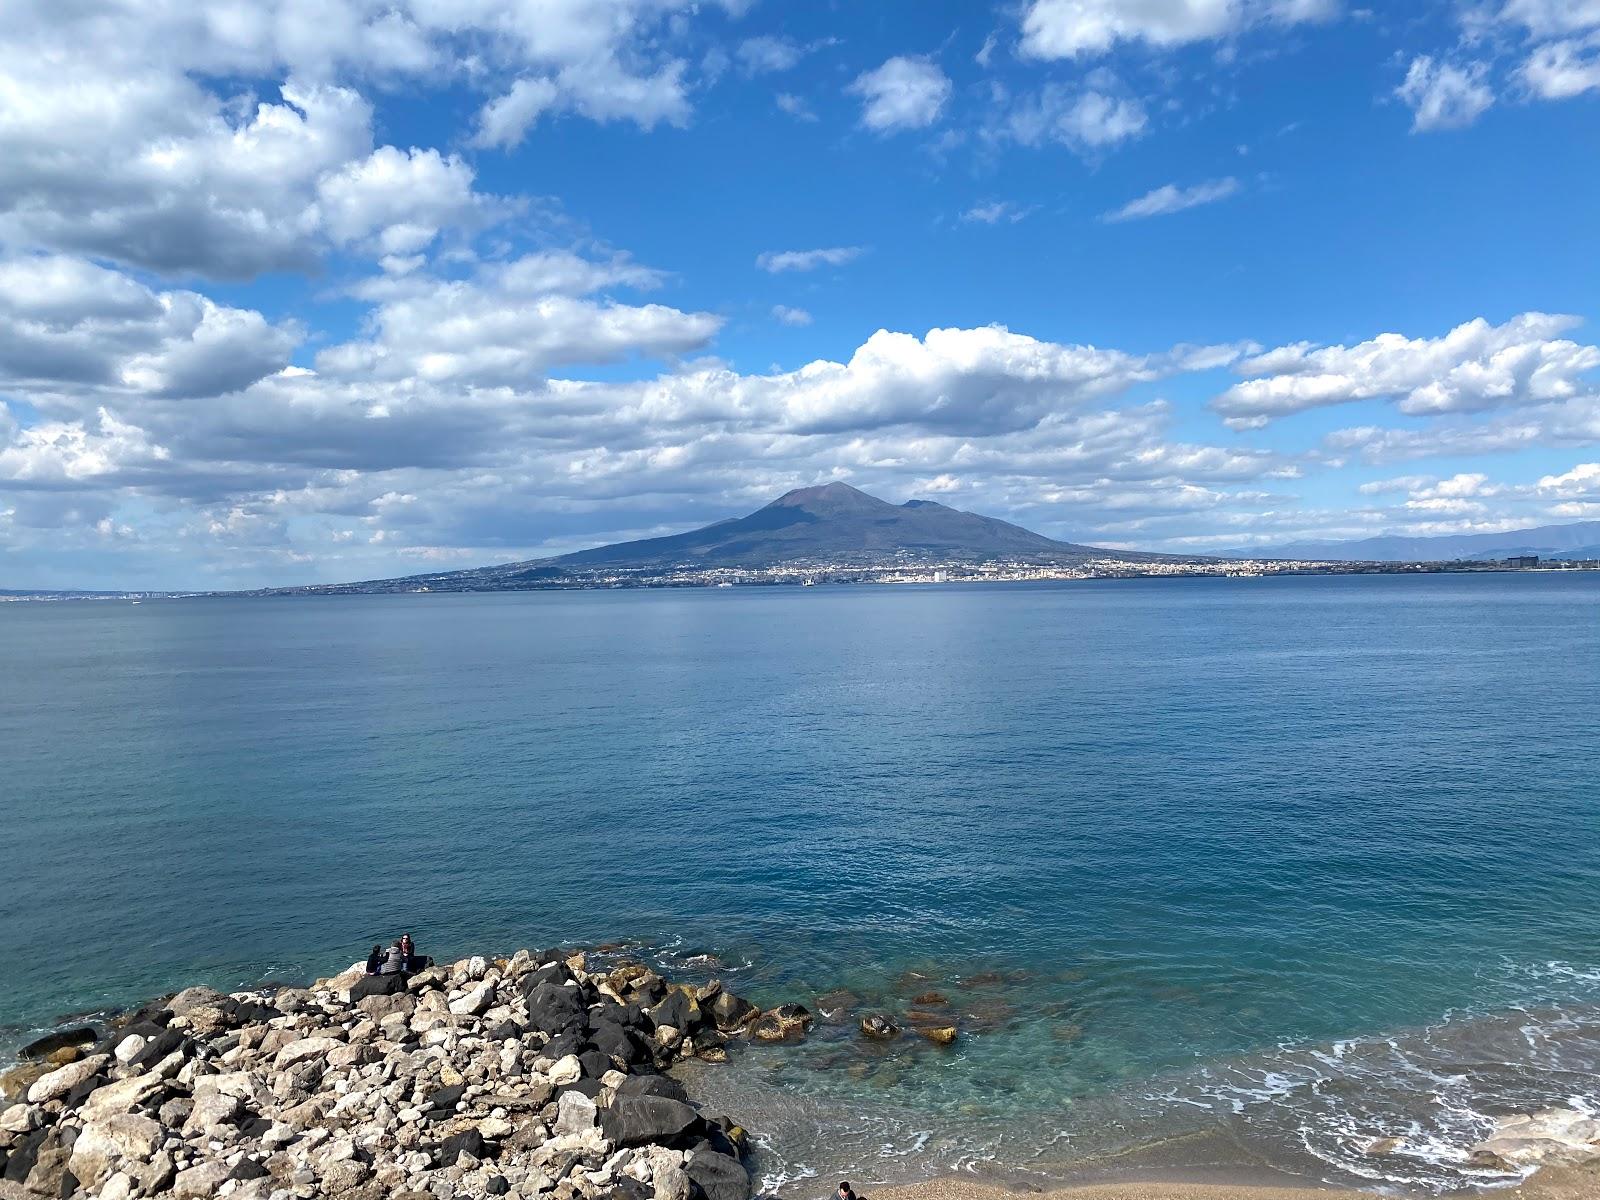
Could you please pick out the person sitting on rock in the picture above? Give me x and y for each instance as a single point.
(408, 948)
(374, 960)
(844, 1192)
(394, 962)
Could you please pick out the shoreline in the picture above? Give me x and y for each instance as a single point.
(1550, 1183)
(477, 1004)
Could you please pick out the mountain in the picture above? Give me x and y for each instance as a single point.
(834, 525)
(839, 524)
(1577, 541)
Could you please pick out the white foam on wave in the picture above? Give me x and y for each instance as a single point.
(1437, 1091)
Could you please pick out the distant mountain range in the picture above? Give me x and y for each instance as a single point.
(1577, 541)
(834, 525)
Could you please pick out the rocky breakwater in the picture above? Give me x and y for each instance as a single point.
(529, 1077)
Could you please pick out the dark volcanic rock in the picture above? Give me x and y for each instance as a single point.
(469, 1141)
(719, 1177)
(376, 985)
(554, 1008)
(62, 1039)
(636, 1120)
(730, 1011)
(653, 1085)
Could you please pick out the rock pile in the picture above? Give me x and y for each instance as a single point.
(529, 1077)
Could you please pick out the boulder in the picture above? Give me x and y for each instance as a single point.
(786, 1023)
(637, 1120)
(653, 1085)
(54, 1084)
(718, 1176)
(14, 1084)
(61, 1039)
(730, 1012)
(130, 1047)
(210, 1112)
(376, 985)
(567, 1071)
(305, 1050)
(468, 1141)
(575, 1113)
(20, 1118)
(555, 1008)
(1551, 1137)
(942, 1033)
(192, 998)
(879, 1028)
(476, 1000)
(123, 1094)
(200, 1181)
(104, 1145)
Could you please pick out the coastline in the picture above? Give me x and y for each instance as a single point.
(1551, 1183)
(471, 1007)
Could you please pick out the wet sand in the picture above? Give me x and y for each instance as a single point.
(1579, 1183)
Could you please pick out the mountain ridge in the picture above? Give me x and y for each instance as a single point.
(1580, 539)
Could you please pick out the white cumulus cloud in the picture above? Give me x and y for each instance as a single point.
(1074, 28)
(1443, 96)
(904, 93)
(1475, 367)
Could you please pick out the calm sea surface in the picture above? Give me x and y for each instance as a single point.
(1293, 863)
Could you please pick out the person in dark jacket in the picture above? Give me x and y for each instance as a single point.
(408, 949)
(845, 1192)
(374, 960)
(394, 962)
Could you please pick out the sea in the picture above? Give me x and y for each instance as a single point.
(1213, 872)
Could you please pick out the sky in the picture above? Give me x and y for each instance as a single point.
(299, 291)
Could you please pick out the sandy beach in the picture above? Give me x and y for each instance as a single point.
(1580, 1183)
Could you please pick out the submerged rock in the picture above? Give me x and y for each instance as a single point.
(787, 1022)
(64, 1039)
(879, 1028)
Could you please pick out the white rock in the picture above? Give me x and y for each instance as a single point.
(20, 1118)
(566, 1072)
(63, 1079)
(1554, 1136)
(200, 1181)
(474, 1001)
(575, 1113)
(130, 1047)
(118, 1187)
(105, 1144)
(305, 1048)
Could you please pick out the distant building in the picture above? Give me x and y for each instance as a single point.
(1523, 560)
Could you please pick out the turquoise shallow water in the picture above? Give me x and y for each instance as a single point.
(1301, 860)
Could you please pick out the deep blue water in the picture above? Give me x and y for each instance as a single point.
(1174, 847)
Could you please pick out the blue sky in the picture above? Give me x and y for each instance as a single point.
(307, 292)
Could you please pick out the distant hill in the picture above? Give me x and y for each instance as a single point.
(832, 525)
(1577, 541)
